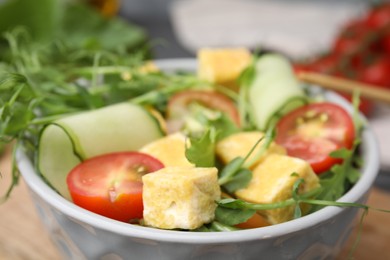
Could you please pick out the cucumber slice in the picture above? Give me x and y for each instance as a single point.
(66, 142)
(274, 91)
(273, 63)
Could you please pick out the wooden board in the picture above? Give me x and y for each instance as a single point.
(22, 235)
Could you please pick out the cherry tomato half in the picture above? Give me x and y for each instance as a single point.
(313, 131)
(111, 184)
(178, 105)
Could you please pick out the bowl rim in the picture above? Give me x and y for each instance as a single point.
(357, 192)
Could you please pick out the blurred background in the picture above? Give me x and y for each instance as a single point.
(298, 28)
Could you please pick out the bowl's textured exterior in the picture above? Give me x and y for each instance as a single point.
(80, 234)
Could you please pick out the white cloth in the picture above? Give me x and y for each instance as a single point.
(297, 28)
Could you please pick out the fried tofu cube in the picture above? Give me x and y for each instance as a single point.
(222, 65)
(180, 197)
(272, 181)
(240, 144)
(170, 150)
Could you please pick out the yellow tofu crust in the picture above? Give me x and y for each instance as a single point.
(180, 197)
(240, 144)
(272, 181)
(170, 150)
(222, 65)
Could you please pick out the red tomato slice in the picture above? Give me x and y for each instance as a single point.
(111, 184)
(313, 131)
(178, 106)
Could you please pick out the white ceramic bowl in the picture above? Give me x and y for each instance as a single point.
(80, 234)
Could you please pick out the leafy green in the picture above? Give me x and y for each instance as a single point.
(269, 136)
(341, 176)
(240, 180)
(236, 174)
(72, 24)
(247, 76)
(84, 28)
(41, 17)
(233, 217)
(201, 152)
(244, 81)
(84, 62)
(296, 197)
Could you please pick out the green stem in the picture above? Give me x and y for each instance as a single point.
(217, 226)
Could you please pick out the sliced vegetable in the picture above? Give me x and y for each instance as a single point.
(274, 75)
(68, 141)
(111, 184)
(313, 131)
(179, 106)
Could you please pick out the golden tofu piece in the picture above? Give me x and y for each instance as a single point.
(240, 144)
(272, 181)
(170, 150)
(180, 197)
(222, 65)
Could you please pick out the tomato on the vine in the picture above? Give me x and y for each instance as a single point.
(351, 38)
(313, 131)
(111, 184)
(385, 44)
(376, 73)
(379, 16)
(325, 64)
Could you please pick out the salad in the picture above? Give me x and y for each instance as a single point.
(239, 144)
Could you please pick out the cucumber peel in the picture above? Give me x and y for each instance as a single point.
(274, 91)
(68, 141)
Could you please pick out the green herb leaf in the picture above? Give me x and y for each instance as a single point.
(341, 153)
(297, 211)
(248, 74)
(233, 217)
(240, 204)
(201, 152)
(241, 179)
(269, 136)
(228, 172)
(296, 186)
(41, 17)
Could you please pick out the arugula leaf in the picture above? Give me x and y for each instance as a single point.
(340, 176)
(201, 152)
